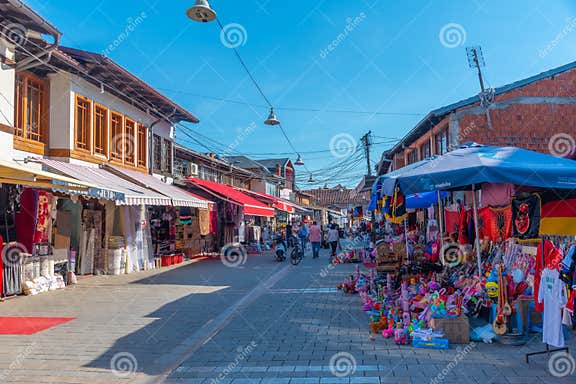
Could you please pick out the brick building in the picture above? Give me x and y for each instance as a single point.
(526, 114)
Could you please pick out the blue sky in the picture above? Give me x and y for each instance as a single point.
(373, 55)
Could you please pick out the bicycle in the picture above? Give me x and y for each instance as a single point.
(297, 254)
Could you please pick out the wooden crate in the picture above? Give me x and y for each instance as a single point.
(456, 330)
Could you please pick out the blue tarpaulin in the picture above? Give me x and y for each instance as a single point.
(476, 164)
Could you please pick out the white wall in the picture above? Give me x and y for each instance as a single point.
(61, 112)
(6, 100)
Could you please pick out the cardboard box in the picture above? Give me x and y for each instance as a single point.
(456, 330)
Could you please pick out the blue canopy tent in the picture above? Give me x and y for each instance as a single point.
(474, 164)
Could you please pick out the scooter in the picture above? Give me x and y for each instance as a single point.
(280, 250)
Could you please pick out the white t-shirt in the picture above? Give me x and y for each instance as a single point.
(332, 235)
(553, 293)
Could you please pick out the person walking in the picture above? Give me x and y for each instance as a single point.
(333, 238)
(303, 236)
(315, 237)
(289, 235)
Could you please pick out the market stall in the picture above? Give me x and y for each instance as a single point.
(430, 282)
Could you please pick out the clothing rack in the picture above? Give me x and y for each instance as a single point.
(548, 351)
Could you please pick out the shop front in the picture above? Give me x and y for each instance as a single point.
(239, 217)
(31, 262)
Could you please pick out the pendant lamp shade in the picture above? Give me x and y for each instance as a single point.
(201, 12)
(299, 160)
(272, 119)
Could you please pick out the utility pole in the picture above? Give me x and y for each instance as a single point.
(476, 60)
(366, 141)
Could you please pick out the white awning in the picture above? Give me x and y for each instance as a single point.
(179, 197)
(14, 173)
(108, 184)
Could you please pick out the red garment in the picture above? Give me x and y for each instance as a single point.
(452, 221)
(214, 220)
(495, 223)
(463, 238)
(571, 300)
(552, 258)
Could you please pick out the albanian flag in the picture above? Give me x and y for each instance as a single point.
(526, 217)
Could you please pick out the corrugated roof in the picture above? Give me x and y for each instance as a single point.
(336, 196)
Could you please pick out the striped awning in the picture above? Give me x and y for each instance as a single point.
(179, 197)
(109, 185)
(14, 173)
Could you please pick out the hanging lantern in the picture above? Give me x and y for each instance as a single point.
(272, 119)
(299, 160)
(201, 12)
(311, 179)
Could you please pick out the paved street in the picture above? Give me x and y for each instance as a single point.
(260, 323)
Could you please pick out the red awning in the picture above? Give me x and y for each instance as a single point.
(251, 205)
(272, 200)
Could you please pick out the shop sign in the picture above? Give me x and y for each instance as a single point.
(105, 194)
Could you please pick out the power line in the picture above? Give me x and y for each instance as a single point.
(294, 109)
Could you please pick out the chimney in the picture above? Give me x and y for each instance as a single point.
(212, 155)
(278, 170)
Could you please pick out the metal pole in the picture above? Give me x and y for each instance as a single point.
(477, 240)
(406, 239)
(441, 221)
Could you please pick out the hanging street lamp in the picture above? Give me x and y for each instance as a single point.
(201, 12)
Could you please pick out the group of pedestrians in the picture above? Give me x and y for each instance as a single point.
(314, 234)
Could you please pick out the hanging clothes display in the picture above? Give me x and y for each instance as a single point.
(496, 194)
(463, 237)
(91, 259)
(526, 217)
(204, 221)
(552, 293)
(549, 257)
(452, 221)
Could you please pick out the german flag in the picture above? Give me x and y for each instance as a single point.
(558, 217)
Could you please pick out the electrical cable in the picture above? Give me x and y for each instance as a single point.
(294, 109)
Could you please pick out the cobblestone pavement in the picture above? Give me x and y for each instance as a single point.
(262, 322)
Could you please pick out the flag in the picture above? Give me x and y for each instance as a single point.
(397, 208)
(558, 218)
(526, 217)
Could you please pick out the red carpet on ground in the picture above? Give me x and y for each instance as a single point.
(29, 325)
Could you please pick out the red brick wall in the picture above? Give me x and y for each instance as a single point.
(526, 125)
